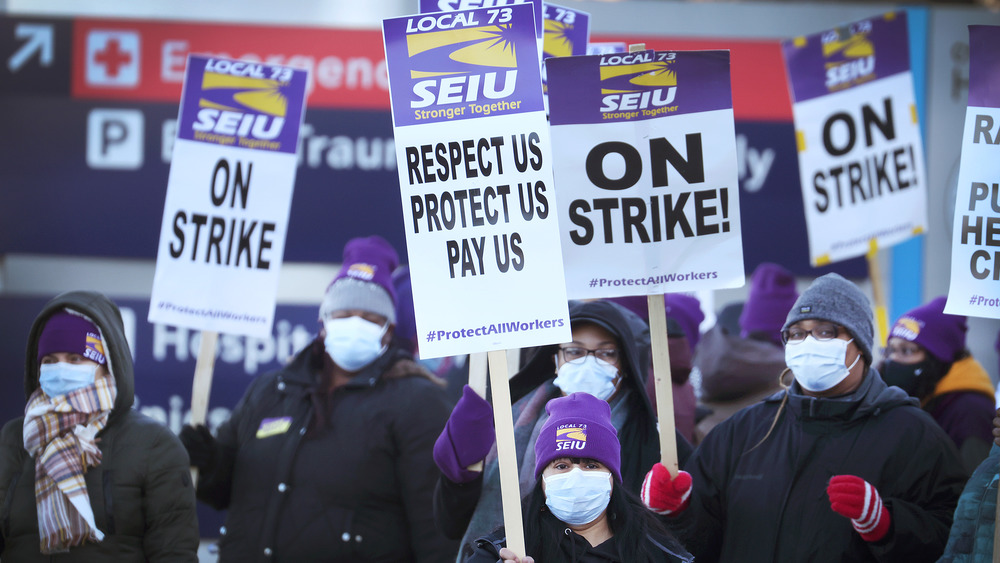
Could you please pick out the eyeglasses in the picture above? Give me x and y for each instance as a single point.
(822, 331)
(576, 354)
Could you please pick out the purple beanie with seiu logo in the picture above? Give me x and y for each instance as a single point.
(365, 279)
(579, 425)
(66, 332)
(941, 334)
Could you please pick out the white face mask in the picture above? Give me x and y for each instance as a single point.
(353, 342)
(61, 378)
(818, 365)
(589, 376)
(578, 497)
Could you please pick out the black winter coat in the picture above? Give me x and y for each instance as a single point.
(768, 502)
(357, 489)
(141, 492)
(464, 511)
(577, 550)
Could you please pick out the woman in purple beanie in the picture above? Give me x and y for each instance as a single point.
(578, 509)
(927, 358)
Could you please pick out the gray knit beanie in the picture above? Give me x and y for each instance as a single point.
(834, 299)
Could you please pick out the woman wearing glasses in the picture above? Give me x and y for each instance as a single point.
(607, 358)
(836, 467)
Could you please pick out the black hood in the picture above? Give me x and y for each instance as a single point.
(633, 340)
(101, 311)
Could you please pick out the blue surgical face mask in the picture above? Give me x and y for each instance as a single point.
(353, 342)
(818, 365)
(61, 378)
(591, 375)
(578, 497)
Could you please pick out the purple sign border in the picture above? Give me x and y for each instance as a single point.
(528, 89)
(806, 65)
(575, 97)
(984, 66)
(580, 35)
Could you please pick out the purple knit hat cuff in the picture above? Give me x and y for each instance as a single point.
(68, 332)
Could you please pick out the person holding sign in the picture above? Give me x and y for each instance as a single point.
(578, 509)
(927, 358)
(329, 459)
(606, 358)
(837, 467)
(84, 476)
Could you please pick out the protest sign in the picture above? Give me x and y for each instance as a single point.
(975, 254)
(861, 161)
(647, 172)
(228, 196)
(566, 32)
(475, 175)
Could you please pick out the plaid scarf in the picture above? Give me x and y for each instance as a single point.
(60, 433)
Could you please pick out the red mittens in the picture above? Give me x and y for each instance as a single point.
(664, 495)
(858, 500)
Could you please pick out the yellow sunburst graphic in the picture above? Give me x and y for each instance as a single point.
(910, 324)
(654, 74)
(572, 434)
(855, 46)
(258, 94)
(556, 42)
(490, 47)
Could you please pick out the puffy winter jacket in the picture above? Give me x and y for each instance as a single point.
(141, 493)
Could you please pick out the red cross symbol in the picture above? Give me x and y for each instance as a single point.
(112, 57)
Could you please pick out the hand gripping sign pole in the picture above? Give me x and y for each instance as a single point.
(662, 379)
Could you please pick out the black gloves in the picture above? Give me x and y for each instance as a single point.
(200, 446)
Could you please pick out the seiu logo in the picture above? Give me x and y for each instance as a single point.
(245, 106)
(637, 86)
(562, 446)
(238, 123)
(464, 54)
(849, 71)
(638, 100)
(850, 55)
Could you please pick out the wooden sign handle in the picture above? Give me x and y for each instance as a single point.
(202, 386)
(878, 294)
(503, 420)
(664, 384)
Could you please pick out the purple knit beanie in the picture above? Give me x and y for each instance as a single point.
(772, 294)
(365, 279)
(941, 334)
(579, 425)
(686, 309)
(67, 332)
